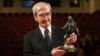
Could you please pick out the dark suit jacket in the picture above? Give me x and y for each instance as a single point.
(34, 44)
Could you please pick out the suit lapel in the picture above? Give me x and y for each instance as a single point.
(54, 37)
(40, 39)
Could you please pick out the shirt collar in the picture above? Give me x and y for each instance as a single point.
(42, 29)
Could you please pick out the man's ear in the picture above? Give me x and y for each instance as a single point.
(35, 17)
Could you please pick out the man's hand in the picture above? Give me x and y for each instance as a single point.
(57, 52)
(72, 38)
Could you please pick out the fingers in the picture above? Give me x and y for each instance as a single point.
(57, 52)
(72, 38)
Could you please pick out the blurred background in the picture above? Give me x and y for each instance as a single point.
(16, 19)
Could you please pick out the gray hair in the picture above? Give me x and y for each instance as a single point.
(39, 4)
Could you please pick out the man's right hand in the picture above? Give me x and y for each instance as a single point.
(57, 52)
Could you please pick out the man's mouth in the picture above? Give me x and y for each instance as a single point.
(44, 21)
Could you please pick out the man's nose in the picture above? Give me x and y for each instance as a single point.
(46, 17)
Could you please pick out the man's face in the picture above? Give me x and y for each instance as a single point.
(43, 16)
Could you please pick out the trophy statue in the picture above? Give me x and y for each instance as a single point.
(69, 28)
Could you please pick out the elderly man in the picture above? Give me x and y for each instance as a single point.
(46, 39)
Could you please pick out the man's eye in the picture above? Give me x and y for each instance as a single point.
(42, 15)
(48, 14)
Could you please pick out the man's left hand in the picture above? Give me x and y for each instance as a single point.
(72, 38)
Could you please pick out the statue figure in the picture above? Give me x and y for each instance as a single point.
(69, 28)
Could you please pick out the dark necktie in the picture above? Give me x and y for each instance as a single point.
(47, 37)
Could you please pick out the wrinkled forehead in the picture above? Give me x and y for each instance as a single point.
(43, 9)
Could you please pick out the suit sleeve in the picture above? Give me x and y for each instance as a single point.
(29, 51)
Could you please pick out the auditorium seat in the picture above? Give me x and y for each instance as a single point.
(13, 27)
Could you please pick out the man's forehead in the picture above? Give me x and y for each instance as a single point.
(43, 9)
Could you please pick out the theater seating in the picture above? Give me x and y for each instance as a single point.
(13, 27)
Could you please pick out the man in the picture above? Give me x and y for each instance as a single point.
(36, 42)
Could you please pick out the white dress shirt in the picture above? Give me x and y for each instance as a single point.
(43, 29)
